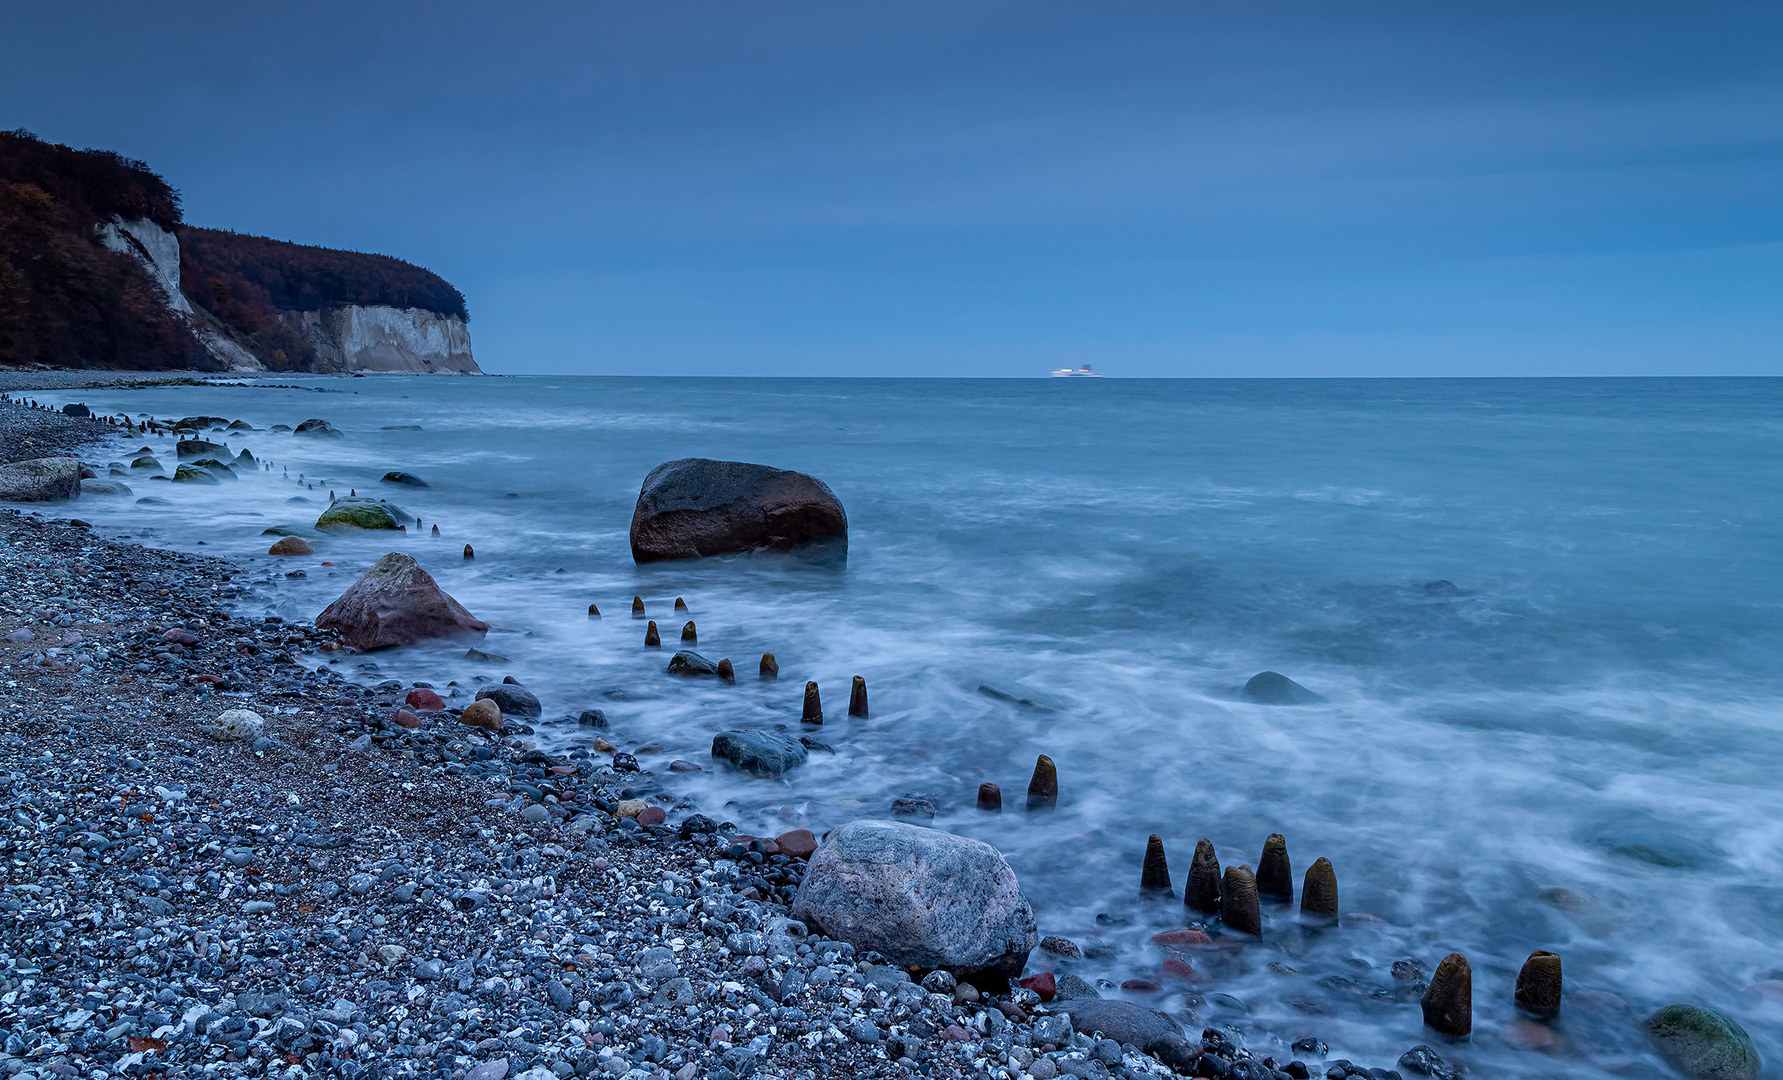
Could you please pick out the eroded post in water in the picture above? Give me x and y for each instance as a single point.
(468, 553)
(1240, 909)
(1538, 984)
(1203, 890)
(1154, 873)
(1448, 1000)
(770, 668)
(652, 640)
(990, 798)
(813, 705)
(594, 611)
(689, 634)
(857, 698)
(680, 604)
(726, 673)
(1043, 787)
(637, 607)
(1275, 878)
(1318, 893)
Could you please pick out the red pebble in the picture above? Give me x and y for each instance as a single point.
(1140, 986)
(1012, 1011)
(1043, 984)
(405, 718)
(425, 700)
(652, 815)
(1176, 968)
(798, 843)
(1182, 937)
(720, 1034)
(563, 770)
(956, 1033)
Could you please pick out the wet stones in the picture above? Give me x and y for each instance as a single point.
(652, 640)
(857, 698)
(990, 798)
(765, 754)
(770, 668)
(483, 714)
(1448, 1000)
(689, 634)
(192, 474)
(692, 665)
(813, 712)
(196, 448)
(637, 607)
(1275, 878)
(1154, 874)
(1203, 890)
(1240, 909)
(1318, 892)
(696, 507)
(397, 603)
(1538, 984)
(1704, 1044)
(1043, 786)
(424, 699)
(290, 545)
(726, 673)
(361, 513)
(1273, 688)
(513, 699)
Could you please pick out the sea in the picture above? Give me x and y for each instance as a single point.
(1546, 617)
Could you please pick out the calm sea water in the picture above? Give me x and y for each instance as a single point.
(1596, 706)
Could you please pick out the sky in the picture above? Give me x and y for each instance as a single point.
(756, 187)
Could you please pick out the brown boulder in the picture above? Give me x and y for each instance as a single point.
(799, 843)
(425, 700)
(696, 507)
(396, 603)
(290, 545)
(484, 713)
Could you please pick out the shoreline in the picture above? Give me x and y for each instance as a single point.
(350, 895)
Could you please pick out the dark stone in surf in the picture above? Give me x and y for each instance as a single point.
(857, 698)
(1154, 874)
(436, 530)
(696, 507)
(1448, 1000)
(726, 672)
(1538, 984)
(770, 668)
(1275, 878)
(1318, 893)
(688, 633)
(990, 798)
(652, 640)
(637, 607)
(680, 604)
(1043, 787)
(512, 698)
(813, 705)
(691, 664)
(594, 611)
(1239, 908)
(1272, 688)
(405, 480)
(468, 552)
(766, 754)
(593, 718)
(1203, 890)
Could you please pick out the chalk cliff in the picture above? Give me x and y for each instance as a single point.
(355, 337)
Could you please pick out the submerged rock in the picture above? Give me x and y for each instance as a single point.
(405, 480)
(691, 664)
(196, 448)
(697, 507)
(924, 898)
(1273, 688)
(192, 474)
(320, 428)
(40, 480)
(360, 512)
(1705, 1044)
(290, 545)
(766, 754)
(105, 487)
(397, 603)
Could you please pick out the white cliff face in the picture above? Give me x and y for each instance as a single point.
(157, 249)
(412, 340)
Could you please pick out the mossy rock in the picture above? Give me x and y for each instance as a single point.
(359, 512)
(192, 448)
(216, 468)
(302, 531)
(146, 462)
(189, 474)
(1703, 1043)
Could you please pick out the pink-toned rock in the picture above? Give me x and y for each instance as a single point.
(955, 1033)
(180, 637)
(397, 603)
(1182, 937)
(424, 699)
(405, 718)
(720, 1034)
(1177, 968)
(652, 815)
(290, 545)
(563, 770)
(1043, 984)
(799, 843)
(1140, 986)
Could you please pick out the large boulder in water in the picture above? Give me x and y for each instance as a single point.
(194, 448)
(924, 898)
(696, 507)
(40, 480)
(359, 512)
(397, 603)
(321, 428)
(767, 754)
(1273, 688)
(1702, 1043)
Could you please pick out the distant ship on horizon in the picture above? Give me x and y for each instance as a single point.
(1084, 372)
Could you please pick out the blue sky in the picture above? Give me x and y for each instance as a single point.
(991, 188)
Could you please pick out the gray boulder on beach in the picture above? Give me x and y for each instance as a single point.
(512, 698)
(397, 603)
(40, 480)
(767, 754)
(697, 507)
(1701, 1043)
(924, 898)
(1125, 1022)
